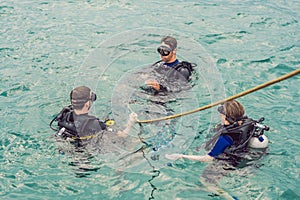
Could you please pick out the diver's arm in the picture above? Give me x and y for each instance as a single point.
(222, 143)
(206, 158)
(131, 121)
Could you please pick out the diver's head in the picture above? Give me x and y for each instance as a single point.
(167, 49)
(82, 97)
(231, 111)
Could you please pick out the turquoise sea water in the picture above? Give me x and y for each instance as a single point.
(48, 47)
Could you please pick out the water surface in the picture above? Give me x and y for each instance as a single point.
(48, 47)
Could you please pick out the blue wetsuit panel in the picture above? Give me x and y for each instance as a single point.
(222, 143)
(172, 64)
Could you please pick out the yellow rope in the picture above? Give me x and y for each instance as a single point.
(85, 137)
(281, 78)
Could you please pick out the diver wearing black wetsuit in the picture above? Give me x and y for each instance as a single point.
(75, 123)
(169, 68)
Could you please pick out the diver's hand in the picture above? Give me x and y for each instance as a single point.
(132, 118)
(153, 83)
(174, 156)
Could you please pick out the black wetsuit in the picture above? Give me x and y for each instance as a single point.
(175, 72)
(78, 127)
(87, 125)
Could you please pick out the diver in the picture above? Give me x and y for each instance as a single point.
(76, 124)
(169, 67)
(165, 82)
(238, 140)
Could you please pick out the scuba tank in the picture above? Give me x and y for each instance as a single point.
(259, 140)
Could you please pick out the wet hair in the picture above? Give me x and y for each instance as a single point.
(170, 41)
(233, 110)
(79, 96)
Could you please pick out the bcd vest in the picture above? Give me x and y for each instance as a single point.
(65, 119)
(239, 134)
(185, 65)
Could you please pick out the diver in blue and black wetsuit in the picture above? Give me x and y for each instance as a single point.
(233, 136)
(169, 66)
(165, 82)
(232, 145)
